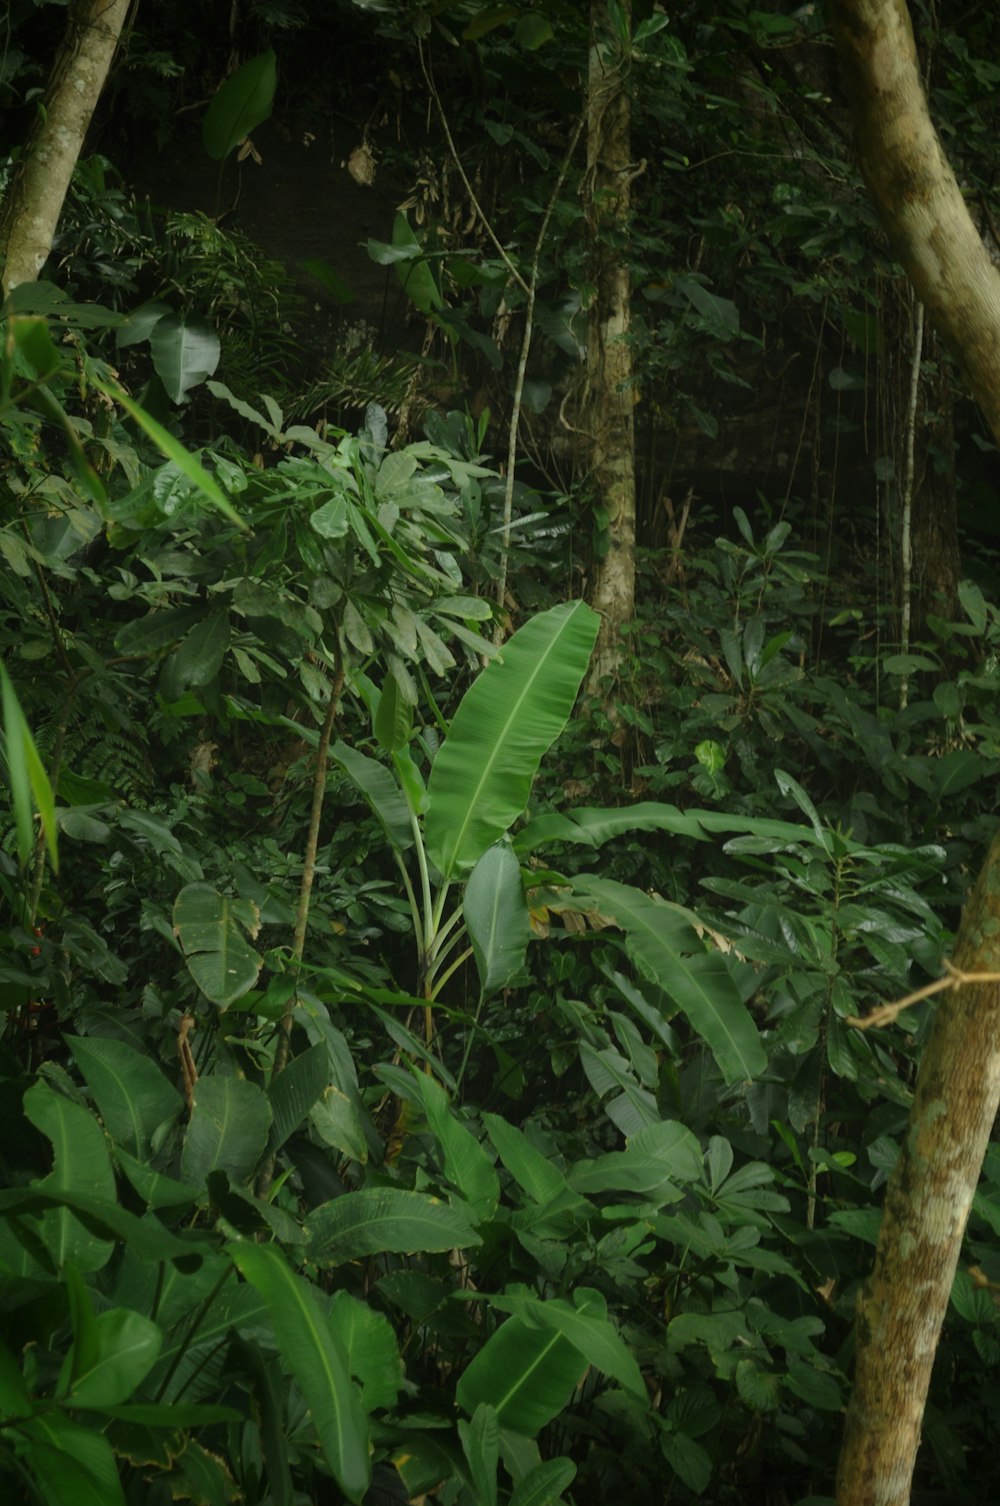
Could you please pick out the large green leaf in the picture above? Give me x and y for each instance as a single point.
(383, 794)
(371, 1348)
(466, 1163)
(586, 1325)
(414, 271)
(230, 1120)
(506, 723)
(533, 1172)
(219, 958)
(496, 917)
(185, 351)
(30, 789)
(199, 658)
(313, 1353)
(128, 1345)
(74, 1465)
(592, 826)
(377, 1220)
(668, 951)
(81, 1164)
(526, 1374)
(186, 463)
(243, 103)
(132, 1095)
(294, 1092)
(545, 1483)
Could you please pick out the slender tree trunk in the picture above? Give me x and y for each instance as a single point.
(31, 210)
(915, 191)
(608, 416)
(958, 1084)
(927, 1205)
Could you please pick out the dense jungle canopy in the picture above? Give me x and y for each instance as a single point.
(499, 655)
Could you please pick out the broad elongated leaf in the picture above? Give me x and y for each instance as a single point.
(532, 1171)
(526, 1374)
(413, 271)
(466, 1163)
(313, 1354)
(80, 1161)
(128, 1345)
(481, 1446)
(592, 826)
(199, 658)
(506, 723)
(29, 784)
(383, 794)
(586, 1325)
(244, 102)
(74, 1465)
(132, 1094)
(665, 947)
(545, 1483)
(146, 1238)
(230, 1120)
(371, 1348)
(294, 1092)
(496, 917)
(185, 462)
(220, 959)
(185, 353)
(380, 1219)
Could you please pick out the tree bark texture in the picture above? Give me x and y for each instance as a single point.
(915, 191)
(958, 1084)
(608, 412)
(31, 210)
(927, 1205)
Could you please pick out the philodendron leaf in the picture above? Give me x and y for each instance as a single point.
(243, 103)
(496, 917)
(219, 958)
(313, 1353)
(506, 723)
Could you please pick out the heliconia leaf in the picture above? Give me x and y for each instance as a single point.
(496, 917)
(526, 1374)
(128, 1345)
(80, 1160)
(480, 1440)
(242, 103)
(380, 790)
(72, 1464)
(219, 958)
(586, 1325)
(228, 1129)
(30, 789)
(666, 948)
(293, 1093)
(545, 1483)
(504, 726)
(313, 1353)
(414, 272)
(466, 1163)
(132, 1094)
(377, 1220)
(532, 1171)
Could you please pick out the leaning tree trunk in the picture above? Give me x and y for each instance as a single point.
(33, 205)
(958, 1084)
(608, 413)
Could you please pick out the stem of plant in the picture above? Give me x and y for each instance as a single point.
(284, 1043)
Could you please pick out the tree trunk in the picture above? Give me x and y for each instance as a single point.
(608, 412)
(958, 1084)
(915, 192)
(32, 208)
